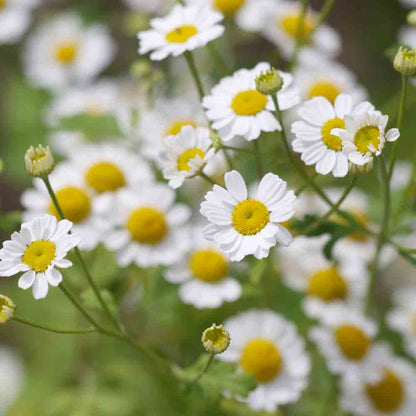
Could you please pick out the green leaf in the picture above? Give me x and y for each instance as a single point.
(408, 257)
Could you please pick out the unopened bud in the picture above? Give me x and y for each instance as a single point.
(411, 17)
(216, 339)
(269, 82)
(39, 161)
(216, 140)
(7, 308)
(405, 61)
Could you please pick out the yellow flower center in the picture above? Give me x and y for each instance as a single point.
(185, 157)
(387, 395)
(249, 103)
(331, 141)
(147, 225)
(261, 359)
(105, 177)
(39, 255)
(250, 216)
(66, 52)
(208, 265)
(328, 285)
(75, 204)
(290, 24)
(228, 7)
(175, 126)
(352, 341)
(2, 4)
(181, 34)
(366, 136)
(324, 89)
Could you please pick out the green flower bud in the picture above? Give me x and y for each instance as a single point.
(405, 61)
(39, 161)
(7, 308)
(216, 339)
(269, 82)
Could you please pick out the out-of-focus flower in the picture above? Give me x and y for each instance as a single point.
(185, 28)
(243, 225)
(405, 61)
(7, 308)
(38, 250)
(314, 138)
(215, 339)
(63, 51)
(204, 275)
(411, 17)
(401, 175)
(268, 347)
(39, 161)
(236, 108)
(149, 229)
(408, 3)
(153, 6)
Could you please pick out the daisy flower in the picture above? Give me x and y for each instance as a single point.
(236, 108)
(76, 199)
(392, 394)
(185, 28)
(364, 136)
(282, 25)
(314, 138)
(324, 283)
(204, 275)
(321, 77)
(15, 18)
(62, 51)
(148, 227)
(402, 175)
(166, 118)
(241, 225)
(345, 341)
(407, 36)
(185, 154)
(37, 250)
(268, 347)
(65, 141)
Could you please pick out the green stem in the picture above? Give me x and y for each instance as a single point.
(323, 14)
(258, 159)
(402, 106)
(237, 149)
(299, 34)
(50, 329)
(195, 74)
(207, 178)
(205, 369)
(218, 58)
(90, 280)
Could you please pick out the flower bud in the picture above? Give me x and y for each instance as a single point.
(411, 17)
(7, 308)
(39, 161)
(269, 82)
(216, 140)
(405, 61)
(358, 170)
(216, 339)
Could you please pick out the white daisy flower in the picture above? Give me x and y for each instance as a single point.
(149, 229)
(62, 52)
(393, 394)
(204, 275)
(166, 118)
(64, 142)
(321, 77)
(15, 18)
(281, 28)
(185, 28)
(268, 347)
(324, 283)
(241, 225)
(185, 154)
(314, 138)
(401, 175)
(36, 251)
(76, 199)
(365, 135)
(345, 341)
(95, 100)
(236, 108)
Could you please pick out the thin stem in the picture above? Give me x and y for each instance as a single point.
(258, 159)
(402, 106)
(323, 14)
(237, 149)
(195, 74)
(306, 184)
(299, 34)
(50, 329)
(90, 280)
(228, 159)
(205, 369)
(218, 58)
(207, 178)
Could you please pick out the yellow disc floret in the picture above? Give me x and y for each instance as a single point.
(147, 225)
(2, 4)
(249, 103)
(181, 34)
(261, 359)
(185, 157)
(290, 24)
(39, 255)
(66, 52)
(75, 203)
(331, 141)
(250, 216)
(328, 285)
(105, 177)
(367, 136)
(175, 126)
(208, 265)
(387, 395)
(228, 7)
(324, 89)
(352, 341)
